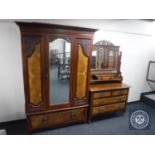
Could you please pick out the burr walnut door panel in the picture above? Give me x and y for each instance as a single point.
(83, 47)
(32, 58)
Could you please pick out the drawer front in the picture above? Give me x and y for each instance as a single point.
(58, 118)
(102, 94)
(108, 108)
(120, 92)
(108, 100)
(110, 78)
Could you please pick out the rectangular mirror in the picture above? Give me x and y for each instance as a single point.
(103, 58)
(105, 64)
(111, 59)
(59, 61)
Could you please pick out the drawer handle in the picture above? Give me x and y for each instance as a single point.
(117, 93)
(45, 120)
(73, 116)
(118, 100)
(101, 103)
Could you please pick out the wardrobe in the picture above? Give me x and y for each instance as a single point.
(56, 71)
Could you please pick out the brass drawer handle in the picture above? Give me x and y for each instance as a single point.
(118, 100)
(73, 115)
(45, 120)
(117, 93)
(101, 103)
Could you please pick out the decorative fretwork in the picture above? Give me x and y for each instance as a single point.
(85, 45)
(104, 42)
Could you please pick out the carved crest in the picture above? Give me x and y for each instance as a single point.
(85, 45)
(104, 42)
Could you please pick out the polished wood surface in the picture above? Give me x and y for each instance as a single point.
(108, 86)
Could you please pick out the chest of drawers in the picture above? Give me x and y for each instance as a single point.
(106, 98)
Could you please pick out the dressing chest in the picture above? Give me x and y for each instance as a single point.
(107, 92)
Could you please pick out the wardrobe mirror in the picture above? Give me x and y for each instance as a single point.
(105, 56)
(59, 65)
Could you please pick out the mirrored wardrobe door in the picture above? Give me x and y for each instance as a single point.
(59, 71)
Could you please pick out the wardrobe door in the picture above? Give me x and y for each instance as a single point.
(83, 48)
(33, 72)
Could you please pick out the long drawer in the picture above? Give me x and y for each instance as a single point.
(108, 100)
(58, 118)
(107, 108)
(110, 93)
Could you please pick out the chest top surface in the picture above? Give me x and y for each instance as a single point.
(108, 86)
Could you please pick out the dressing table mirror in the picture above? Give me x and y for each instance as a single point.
(105, 64)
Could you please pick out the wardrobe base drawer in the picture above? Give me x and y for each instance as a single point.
(108, 108)
(57, 119)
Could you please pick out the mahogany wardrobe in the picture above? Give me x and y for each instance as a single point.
(56, 69)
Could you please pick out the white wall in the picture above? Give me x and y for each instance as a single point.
(11, 80)
(150, 86)
(133, 36)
